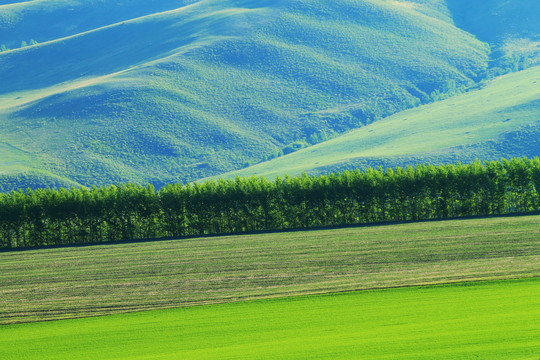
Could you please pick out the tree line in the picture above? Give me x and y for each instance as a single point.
(3, 47)
(130, 211)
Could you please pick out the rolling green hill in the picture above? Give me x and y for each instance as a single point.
(183, 91)
(167, 91)
(502, 119)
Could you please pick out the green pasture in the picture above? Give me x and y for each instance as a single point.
(486, 320)
(85, 281)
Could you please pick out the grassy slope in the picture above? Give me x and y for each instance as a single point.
(178, 94)
(493, 320)
(88, 281)
(500, 120)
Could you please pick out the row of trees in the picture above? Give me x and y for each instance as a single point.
(3, 47)
(114, 213)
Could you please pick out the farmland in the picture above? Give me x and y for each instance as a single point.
(72, 282)
(487, 320)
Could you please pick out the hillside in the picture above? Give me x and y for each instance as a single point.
(512, 28)
(501, 119)
(163, 91)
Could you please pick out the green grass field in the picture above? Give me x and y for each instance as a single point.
(95, 280)
(487, 320)
(499, 120)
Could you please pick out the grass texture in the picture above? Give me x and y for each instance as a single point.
(95, 280)
(489, 320)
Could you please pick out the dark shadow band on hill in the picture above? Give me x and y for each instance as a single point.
(275, 231)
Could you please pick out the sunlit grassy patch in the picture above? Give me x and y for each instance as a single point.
(492, 320)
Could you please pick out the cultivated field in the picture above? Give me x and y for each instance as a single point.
(95, 280)
(486, 320)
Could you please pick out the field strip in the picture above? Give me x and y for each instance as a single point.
(484, 320)
(61, 283)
